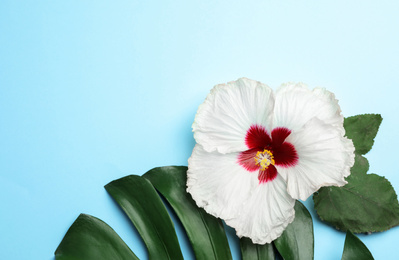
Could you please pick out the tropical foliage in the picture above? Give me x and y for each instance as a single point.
(367, 203)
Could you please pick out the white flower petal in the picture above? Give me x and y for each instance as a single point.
(266, 213)
(223, 120)
(325, 157)
(217, 183)
(296, 105)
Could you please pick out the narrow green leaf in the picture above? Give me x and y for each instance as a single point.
(354, 249)
(297, 241)
(140, 201)
(362, 129)
(90, 238)
(250, 251)
(206, 233)
(368, 203)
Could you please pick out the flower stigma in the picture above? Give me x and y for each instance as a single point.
(264, 159)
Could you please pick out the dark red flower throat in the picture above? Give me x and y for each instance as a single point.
(265, 151)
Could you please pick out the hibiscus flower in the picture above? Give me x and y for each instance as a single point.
(258, 151)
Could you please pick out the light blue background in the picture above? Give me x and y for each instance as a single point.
(91, 91)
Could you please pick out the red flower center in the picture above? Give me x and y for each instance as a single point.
(265, 151)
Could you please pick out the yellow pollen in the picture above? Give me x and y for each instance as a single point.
(264, 159)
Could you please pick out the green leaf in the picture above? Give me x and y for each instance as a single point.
(250, 251)
(368, 203)
(206, 233)
(140, 201)
(362, 129)
(354, 249)
(361, 165)
(89, 238)
(297, 241)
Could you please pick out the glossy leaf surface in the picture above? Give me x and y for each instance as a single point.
(140, 201)
(206, 233)
(250, 251)
(354, 249)
(297, 241)
(89, 238)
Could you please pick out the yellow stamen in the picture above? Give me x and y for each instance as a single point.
(264, 159)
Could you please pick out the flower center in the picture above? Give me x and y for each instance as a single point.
(264, 159)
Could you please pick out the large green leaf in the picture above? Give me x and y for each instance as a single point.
(297, 241)
(362, 129)
(140, 201)
(206, 233)
(250, 251)
(368, 203)
(89, 238)
(354, 249)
